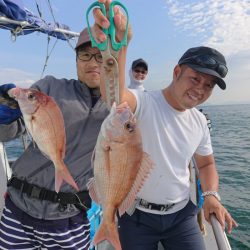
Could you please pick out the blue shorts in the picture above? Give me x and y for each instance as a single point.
(18, 230)
(177, 231)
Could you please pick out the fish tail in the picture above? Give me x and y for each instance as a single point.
(108, 232)
(63, 174)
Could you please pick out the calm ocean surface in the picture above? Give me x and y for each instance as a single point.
(231, 142)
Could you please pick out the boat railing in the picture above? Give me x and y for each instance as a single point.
(219, 233)
(25, 24)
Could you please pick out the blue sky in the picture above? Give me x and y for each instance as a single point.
(162, 31)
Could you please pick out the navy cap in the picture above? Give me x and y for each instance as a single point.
(139, 62)
(206, 60)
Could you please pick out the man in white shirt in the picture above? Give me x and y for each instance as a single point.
(173, 131)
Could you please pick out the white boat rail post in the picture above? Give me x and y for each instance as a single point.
(5, 174)
(67, 32)
(23, 24)
(5, 20)
(5, 162)
(219, 233)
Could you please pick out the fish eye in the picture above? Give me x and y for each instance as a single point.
(128, 126)
(31, 96)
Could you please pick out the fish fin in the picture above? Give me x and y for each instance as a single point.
(145, 167)
(62, 173)
(35, 144)
(58, 181)
(93, 158)
(28, 126)
(111, 235)
(29, 134)
(113, 108)
(92, 191)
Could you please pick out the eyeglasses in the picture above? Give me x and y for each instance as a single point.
(208, 62)
(144, 72)
(86, 56)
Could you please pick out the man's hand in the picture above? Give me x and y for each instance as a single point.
(9, 108)
(212, 205)
(101, 21)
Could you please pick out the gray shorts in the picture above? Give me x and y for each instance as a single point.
(177, 231)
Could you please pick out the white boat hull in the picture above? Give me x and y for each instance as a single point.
(3, 179)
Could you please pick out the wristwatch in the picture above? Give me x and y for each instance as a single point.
(214, 193)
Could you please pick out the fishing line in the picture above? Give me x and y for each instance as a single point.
(48, 54)
(52, 13)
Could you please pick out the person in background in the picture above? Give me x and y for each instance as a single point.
(173, 131)
(138, 73)
(35, 216)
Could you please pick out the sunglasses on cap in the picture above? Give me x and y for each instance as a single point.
(144, 72)
(207, 62)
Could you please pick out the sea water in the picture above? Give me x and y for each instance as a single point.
(231, 144)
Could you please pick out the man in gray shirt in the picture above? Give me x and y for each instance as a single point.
(35, 215)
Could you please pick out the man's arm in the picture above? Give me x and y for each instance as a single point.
(12, 130)
(210, 182)
(207, 172)
(11, 122)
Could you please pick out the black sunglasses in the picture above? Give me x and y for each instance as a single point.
(140, 71)
(208, 62)
(87, 56)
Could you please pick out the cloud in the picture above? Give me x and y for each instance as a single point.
(16, 76)
(222, 24)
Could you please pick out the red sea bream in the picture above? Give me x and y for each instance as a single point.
(44, 121)
(120, 168)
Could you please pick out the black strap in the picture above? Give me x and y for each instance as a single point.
(153, 206)
(80, 199)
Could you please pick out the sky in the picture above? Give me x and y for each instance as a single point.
(162, 31)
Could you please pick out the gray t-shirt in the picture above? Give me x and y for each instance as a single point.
(82, 125)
